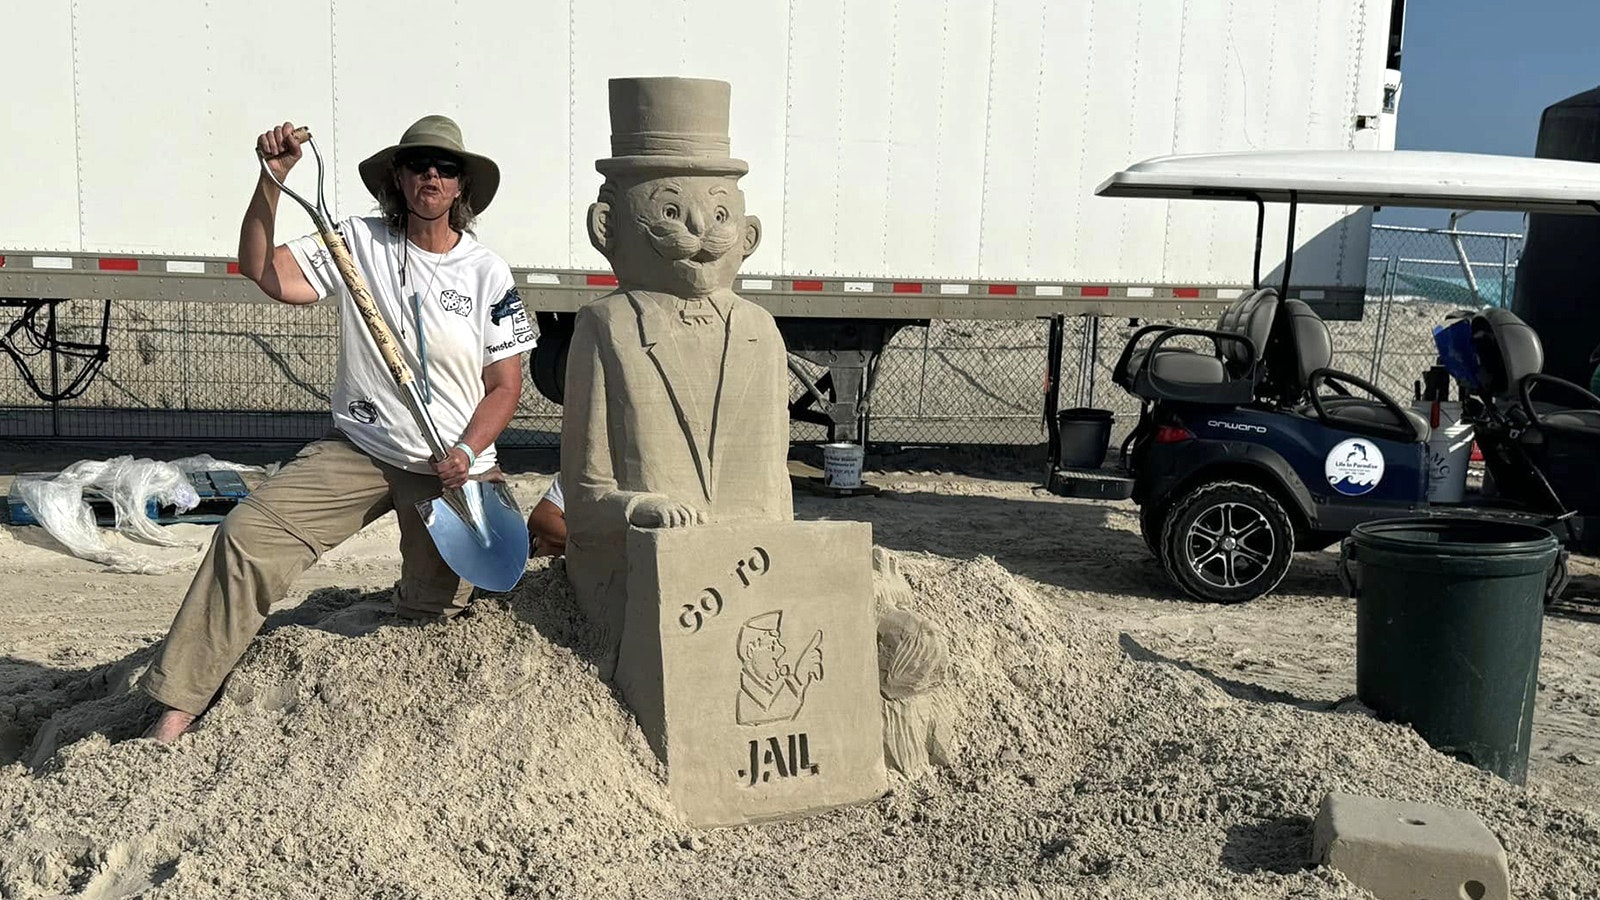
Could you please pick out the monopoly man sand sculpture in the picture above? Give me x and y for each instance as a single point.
(745, 640)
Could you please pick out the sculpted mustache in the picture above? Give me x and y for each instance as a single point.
(673, 241)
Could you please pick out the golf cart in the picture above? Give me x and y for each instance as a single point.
(1250, 445)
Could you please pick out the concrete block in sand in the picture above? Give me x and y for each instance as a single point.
(1410, 851)
(749, 657)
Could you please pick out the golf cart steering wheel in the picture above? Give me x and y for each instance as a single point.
(1406, 430)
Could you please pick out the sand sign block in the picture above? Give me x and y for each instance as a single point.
(749, 657)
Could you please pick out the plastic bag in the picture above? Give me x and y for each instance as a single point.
(129, 484)
(1457, 354)
(205, 462)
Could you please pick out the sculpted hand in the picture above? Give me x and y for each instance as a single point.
(453, 470)
(660, 511)
(809, 667)
(280, 148)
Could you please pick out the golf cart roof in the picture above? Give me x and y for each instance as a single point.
(1368, 178)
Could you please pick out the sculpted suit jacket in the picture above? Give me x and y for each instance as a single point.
(644, 414)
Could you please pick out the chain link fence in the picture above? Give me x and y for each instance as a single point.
(975, 382)
(182, 370)
(263, 371)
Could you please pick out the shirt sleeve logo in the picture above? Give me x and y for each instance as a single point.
(509, 305)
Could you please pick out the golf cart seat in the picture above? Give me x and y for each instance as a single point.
(1297, 359)
(1538, 453)
(1511, 360)
(1224, 375)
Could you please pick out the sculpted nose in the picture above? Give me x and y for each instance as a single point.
(695, 220)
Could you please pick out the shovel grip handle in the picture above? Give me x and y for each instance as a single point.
(301, 135)
(388, 348)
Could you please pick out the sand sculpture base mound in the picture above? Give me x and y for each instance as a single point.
(483, 758)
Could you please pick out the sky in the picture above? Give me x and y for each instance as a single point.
(1477, 74)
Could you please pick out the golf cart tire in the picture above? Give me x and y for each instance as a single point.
(1150, 522)
(1216, 507)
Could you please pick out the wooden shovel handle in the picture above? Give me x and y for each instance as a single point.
(381, 335)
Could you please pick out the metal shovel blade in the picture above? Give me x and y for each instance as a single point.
(481, 534)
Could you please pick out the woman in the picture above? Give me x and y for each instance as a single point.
(453, 305)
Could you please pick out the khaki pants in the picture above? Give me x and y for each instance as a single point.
(327, 493)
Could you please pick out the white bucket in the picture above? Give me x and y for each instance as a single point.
(1449, 451)
(841, 465)
(1449, 410)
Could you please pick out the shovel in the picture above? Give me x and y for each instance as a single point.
(477, 527)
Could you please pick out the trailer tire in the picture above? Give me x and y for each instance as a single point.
(548, 366)
(1227, 542)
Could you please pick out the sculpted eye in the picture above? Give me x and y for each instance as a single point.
(722, 214)
(670, 211)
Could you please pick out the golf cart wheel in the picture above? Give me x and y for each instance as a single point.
(1150, 522)
(1227, 542)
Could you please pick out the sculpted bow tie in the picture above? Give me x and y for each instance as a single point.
(697, 312)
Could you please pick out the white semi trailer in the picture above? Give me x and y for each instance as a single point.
(910, 160)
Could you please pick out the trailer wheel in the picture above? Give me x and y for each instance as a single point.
(1227, 542)
(548, 366)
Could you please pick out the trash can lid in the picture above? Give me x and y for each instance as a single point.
(1455, 536)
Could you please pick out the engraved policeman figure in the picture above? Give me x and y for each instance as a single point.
(771, 690)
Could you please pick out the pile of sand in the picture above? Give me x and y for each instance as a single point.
(483, 758)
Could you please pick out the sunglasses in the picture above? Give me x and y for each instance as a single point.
(420, 164)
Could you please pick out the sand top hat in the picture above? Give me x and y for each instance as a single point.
(666, 126)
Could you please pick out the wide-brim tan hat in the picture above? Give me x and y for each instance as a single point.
(436, 133)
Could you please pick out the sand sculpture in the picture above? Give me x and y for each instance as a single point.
(677, 388)
(744, 640)
(913, 671)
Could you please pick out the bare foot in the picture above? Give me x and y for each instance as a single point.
(172, 725)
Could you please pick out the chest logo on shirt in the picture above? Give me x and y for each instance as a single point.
(456, 302)
(364, 411)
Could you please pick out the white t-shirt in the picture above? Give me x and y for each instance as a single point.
(471, 317)
(554, 495)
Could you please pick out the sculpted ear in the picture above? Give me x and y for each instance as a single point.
(752, 235)
(600, 233)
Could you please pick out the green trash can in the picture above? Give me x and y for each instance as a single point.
(1449, 614)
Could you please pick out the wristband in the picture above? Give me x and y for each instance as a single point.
(472, 458)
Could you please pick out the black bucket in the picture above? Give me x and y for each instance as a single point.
(1085, 436)
(1449, 615)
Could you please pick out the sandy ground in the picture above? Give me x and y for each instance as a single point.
(1116, 740)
